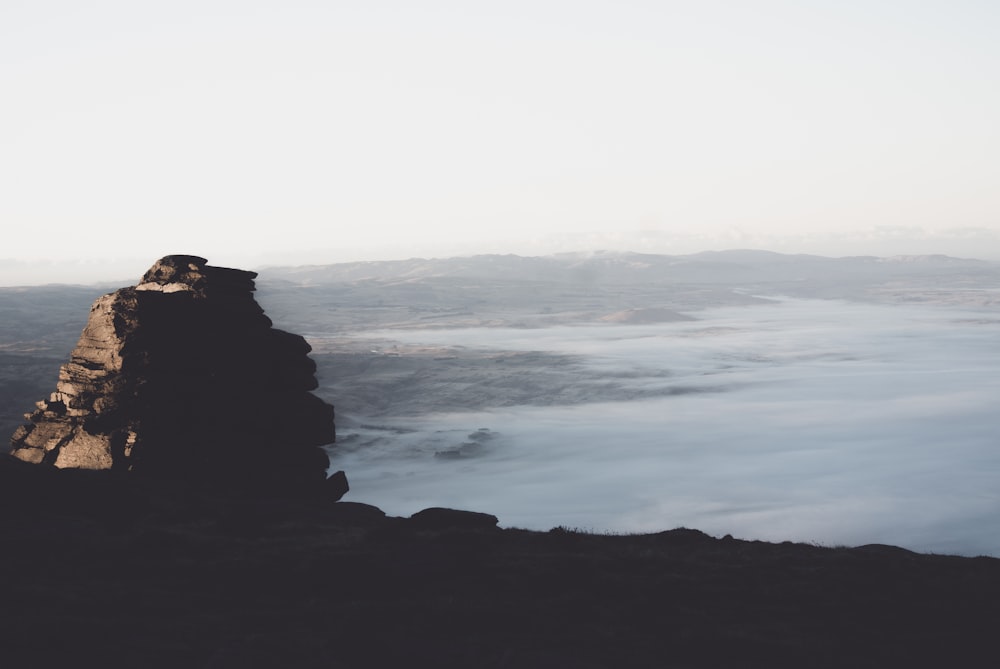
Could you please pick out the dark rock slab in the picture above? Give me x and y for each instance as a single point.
(355, 513)
(438, 518)
(336, 486)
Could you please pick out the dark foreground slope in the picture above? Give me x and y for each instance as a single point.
(98, 570)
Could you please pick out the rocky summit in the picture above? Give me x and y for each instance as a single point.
(182, 377)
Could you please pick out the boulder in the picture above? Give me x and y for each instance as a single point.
(183, 376)
(336, 486)
(439, 518)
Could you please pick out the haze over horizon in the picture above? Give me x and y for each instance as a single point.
(298, 132)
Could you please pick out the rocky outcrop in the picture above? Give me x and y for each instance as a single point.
(182, 376)
(439, 518)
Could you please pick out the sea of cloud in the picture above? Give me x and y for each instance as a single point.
(806, 420)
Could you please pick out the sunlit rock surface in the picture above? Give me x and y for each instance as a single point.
(182, 376)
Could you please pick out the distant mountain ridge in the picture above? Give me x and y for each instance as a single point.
(628, 267)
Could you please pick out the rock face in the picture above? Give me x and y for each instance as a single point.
(182, 376)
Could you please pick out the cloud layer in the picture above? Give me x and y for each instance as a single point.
(827, 421)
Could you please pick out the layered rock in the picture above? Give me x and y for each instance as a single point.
(182, 376)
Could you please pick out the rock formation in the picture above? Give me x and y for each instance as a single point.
(183, 377)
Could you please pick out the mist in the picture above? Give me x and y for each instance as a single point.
(821, 421)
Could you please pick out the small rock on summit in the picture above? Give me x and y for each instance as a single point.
(182, 376)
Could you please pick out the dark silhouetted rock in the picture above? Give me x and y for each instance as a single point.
(182, 376)
(336, 486)
(437, 518)
(356, 513)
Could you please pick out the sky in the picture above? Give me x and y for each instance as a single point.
(256, 132)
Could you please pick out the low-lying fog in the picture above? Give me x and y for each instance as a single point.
(806, 420)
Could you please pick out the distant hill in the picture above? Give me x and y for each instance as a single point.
(720, 267)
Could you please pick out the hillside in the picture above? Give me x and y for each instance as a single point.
(100, 571)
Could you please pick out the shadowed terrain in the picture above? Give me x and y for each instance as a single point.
(101, 570)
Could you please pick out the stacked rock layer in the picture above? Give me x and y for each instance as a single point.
(183, 376)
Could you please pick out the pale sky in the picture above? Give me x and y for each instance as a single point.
(261, 132)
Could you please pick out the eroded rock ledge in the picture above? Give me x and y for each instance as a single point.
(182, 376)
